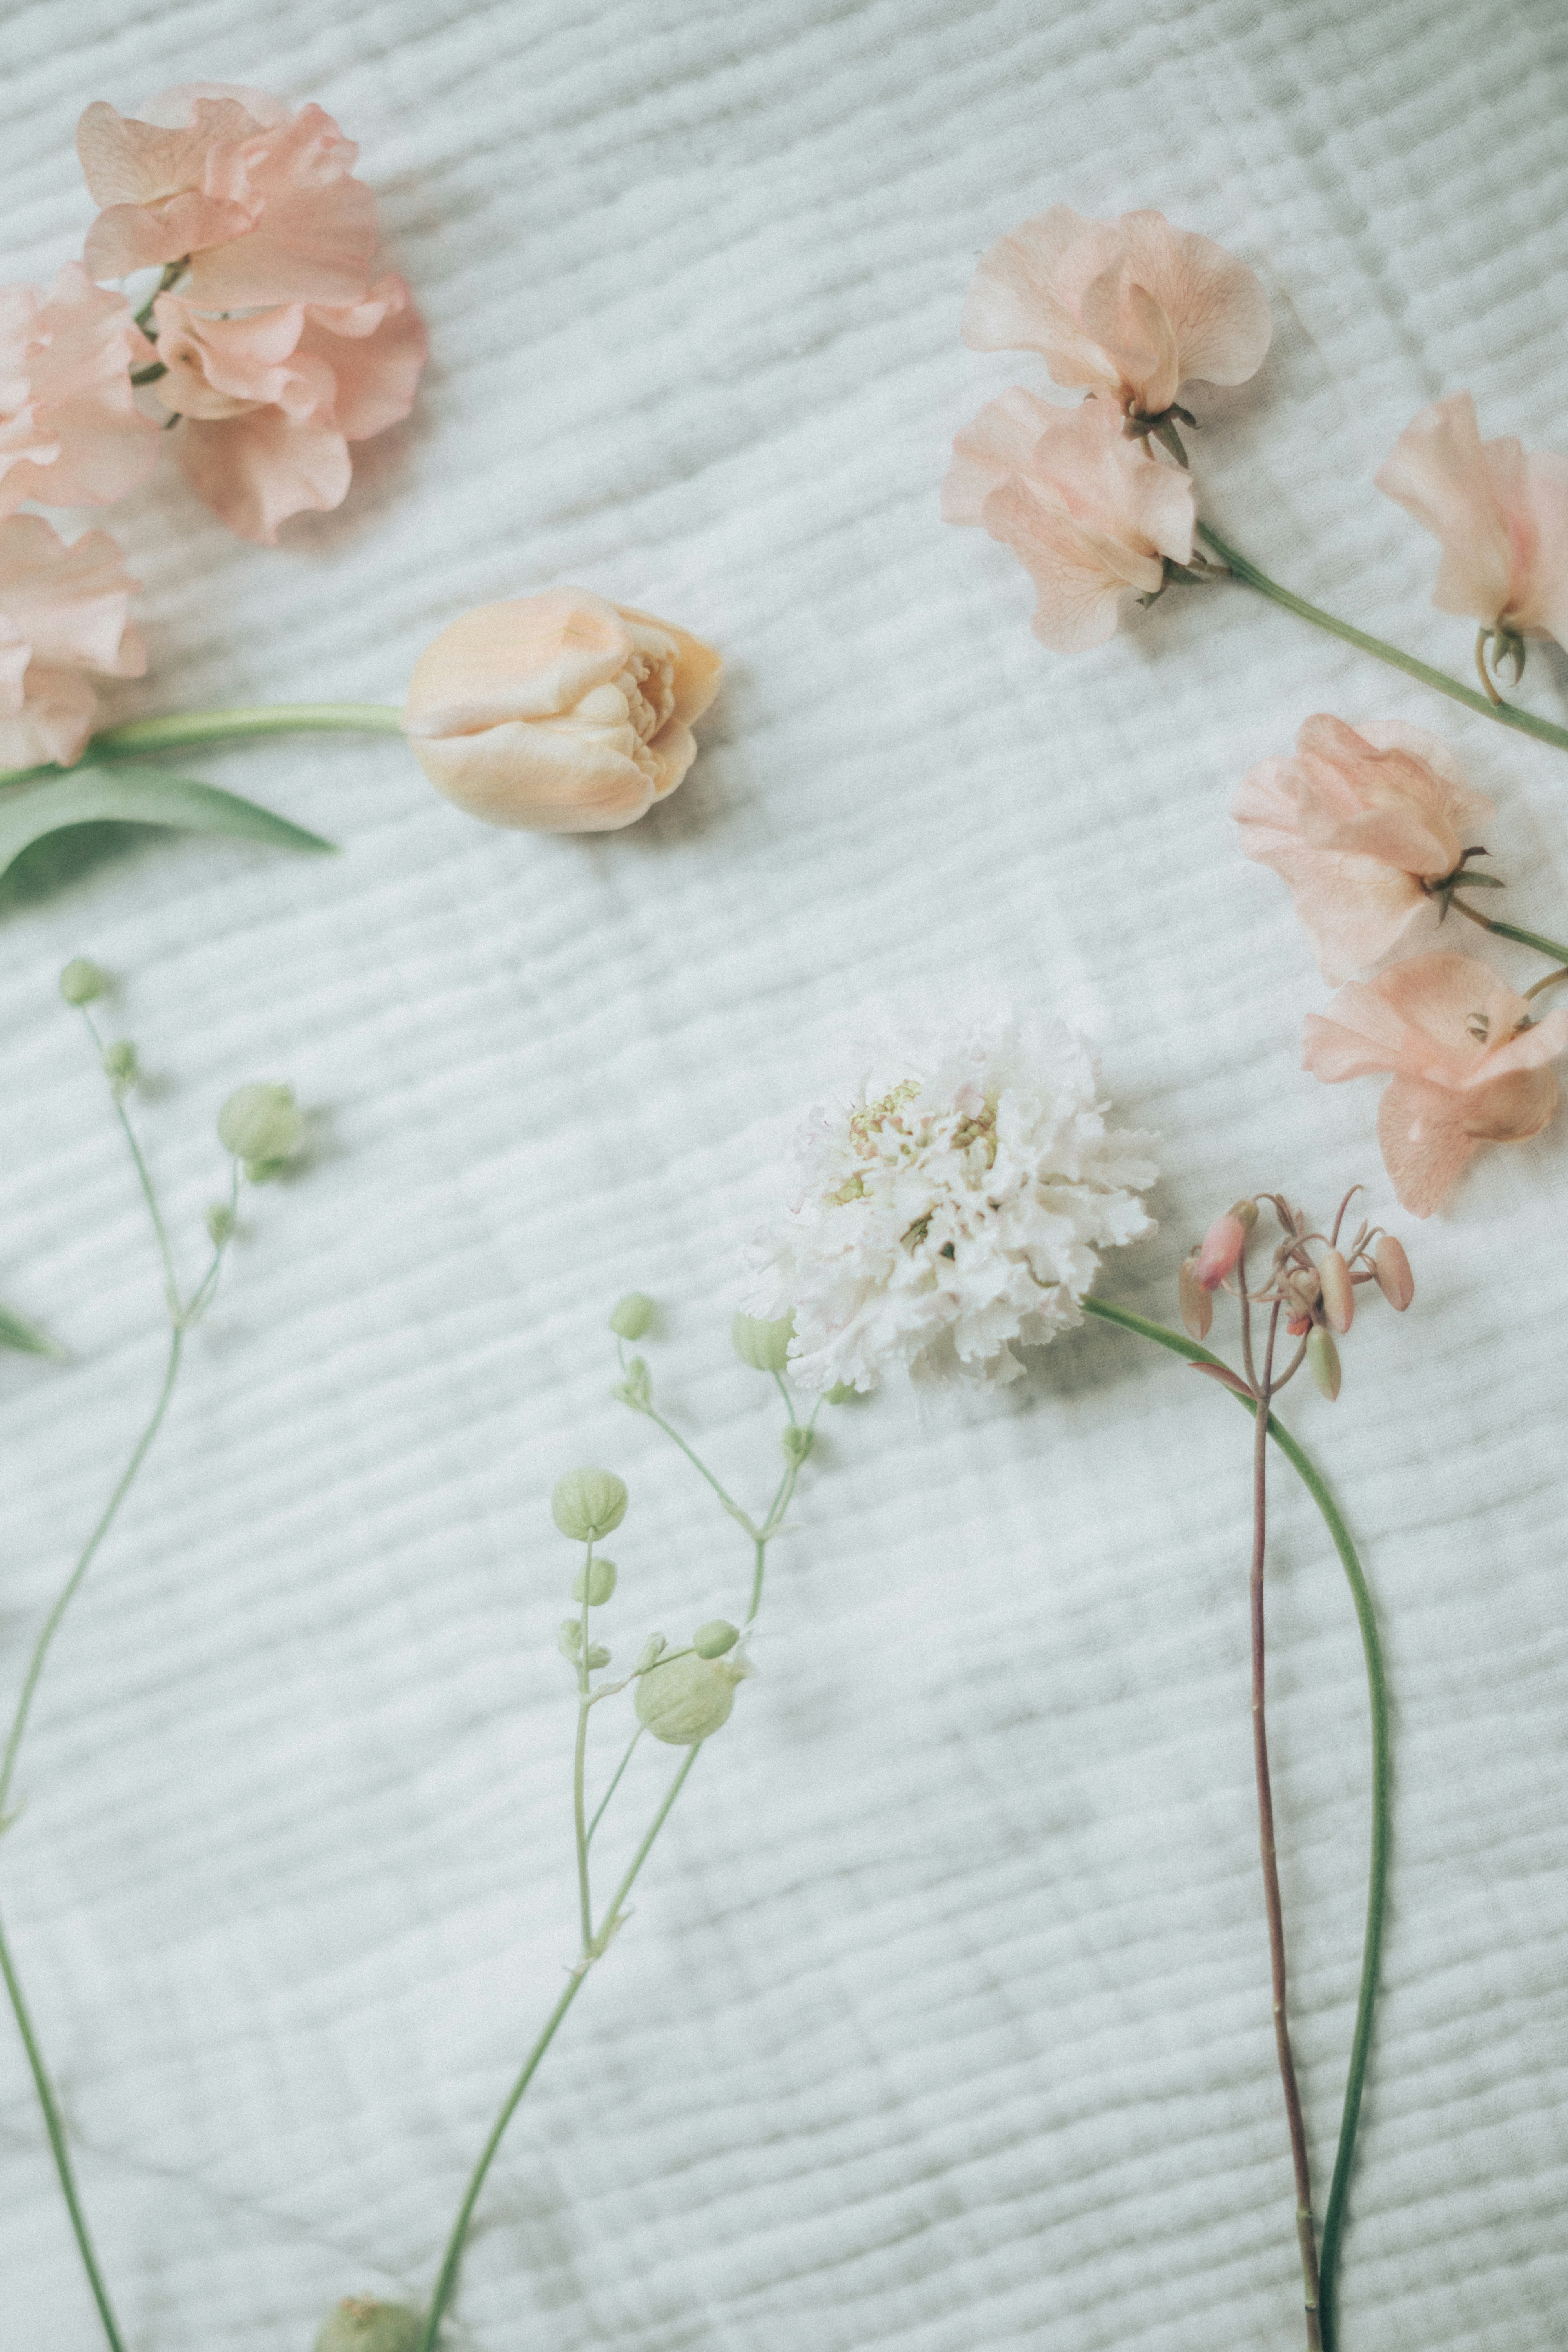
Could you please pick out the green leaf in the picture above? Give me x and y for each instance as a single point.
(15, 1331)
(94, 796)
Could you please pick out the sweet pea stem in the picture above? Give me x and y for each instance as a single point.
(1191, 1351)
(140, 737)
(1490, 705)
(1536, 940)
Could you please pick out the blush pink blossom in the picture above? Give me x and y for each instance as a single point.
(270, 401)
(1088, 514)
(1130, 307)
(1502, 515)
(1360, 824)
(1470, 1065)
(258, 201)
(70, 434)
(64, 617)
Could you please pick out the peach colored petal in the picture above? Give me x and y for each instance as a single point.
(1425, 1145)
(1132, 306)
(70, 434)
(1544, 497)
(54, 721)
(63, 612)
(1477, 500)
(145, 159)
(560, 712)
(1088, 514)
(220, 367)
(1356, 824)
(129, 238)
(375, 351)
(257, 469)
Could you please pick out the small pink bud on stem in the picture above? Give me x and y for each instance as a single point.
(1197, 1303)
(1391, 1270)
(1224, 1243)
(1339, 1298)
(1323, 1361)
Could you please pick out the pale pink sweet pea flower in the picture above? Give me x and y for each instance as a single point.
(1502, 515)
(1131, 307)
(64, 617)
(70, 434)
(1469, 1064)
(1088, 514)
(1360, 822)
(270, 401)
(260, 199)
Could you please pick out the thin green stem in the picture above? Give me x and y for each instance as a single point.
(171, 1280)
(1507, 714)
(1536, 940)
(580, 1761)
(138, 737)
(613, 1916)
(72, 1584)
(603, 1804)
(55, 2126)
(736, 1513)
(1377, 1867)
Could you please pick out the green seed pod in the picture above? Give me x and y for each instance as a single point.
(596, 1655)
(652, 1650)
(598, 1581)
(588, 1504)
(219, 1223)
(841, 1393)
(764, 1346)
(796, 1441)
(1323, 1361)
(264, 1127)
(81, 981)
(712, 1639)
(364, 2325)
(633, 1315)
(569, 1636)
(687, 1699)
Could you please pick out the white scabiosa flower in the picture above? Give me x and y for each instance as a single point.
(954, 1202)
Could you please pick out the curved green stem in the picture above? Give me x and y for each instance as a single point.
(55, 2129)
(140, 735)
(1536, 940)
(72, 1584)
(1377, 1866)
(1507, 714)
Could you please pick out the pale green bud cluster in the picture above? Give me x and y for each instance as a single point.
(633, 1315)
(364, 2325)
(762, 1345)
(689, 1698)
(637, 1388)
(82, 982)
(588, 1504)
(264, 1127)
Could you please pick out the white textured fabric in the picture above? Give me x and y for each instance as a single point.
(943, 2021)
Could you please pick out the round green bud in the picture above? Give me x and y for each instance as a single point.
(364, 2325)
(569, 1636)
(687, 1699)
(263, 1126)
(652, 1649)
(220, 1223)
(596, 1655)
(796, 1441)
(841, 1393)
(633, 1315)
(764, 1346)
(599, 1581)
(712, 1639)
(588, 1504)
(81, 981)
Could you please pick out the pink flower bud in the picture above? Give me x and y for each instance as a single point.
(1323, 1361)
(1339, 1298)
(1299, 1325)
(1224, 1243)
(1197, 1304)
(1391, 1270)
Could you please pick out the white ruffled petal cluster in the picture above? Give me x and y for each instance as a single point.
(955, 1203)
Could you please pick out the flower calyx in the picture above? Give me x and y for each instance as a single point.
(1137, 424)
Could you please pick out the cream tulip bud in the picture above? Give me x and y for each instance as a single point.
(762, 1345)
(81, 981)
(633, 1315)
(364, 2325)
(687, 1699)
(560, 712)
(588, 1504)
(597, 1583)
(264, 1127)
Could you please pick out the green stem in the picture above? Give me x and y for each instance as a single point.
(742, 1518)
(614, 1783)
(72, 1584)
(1377, 1867)
(55, 2129)
(1507, 714)
(1536, 940)
(453, 2256)
(171, 1280)
(139, 736)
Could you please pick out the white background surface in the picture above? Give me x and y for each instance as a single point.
(942, 2022)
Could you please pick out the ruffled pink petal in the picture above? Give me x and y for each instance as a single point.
(1214, 306)
(1360, 1035)
(374, 352)
(145, 159)
(128, 237)
(1425, 1146)
(70, 604)
(1016, 302)
(257, 469)
(1081, 575)
(220, 367)
(77, 361)
(56, 719)
(1543, 592)
(313, 238)
(1001, 441)
(1438, 471)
